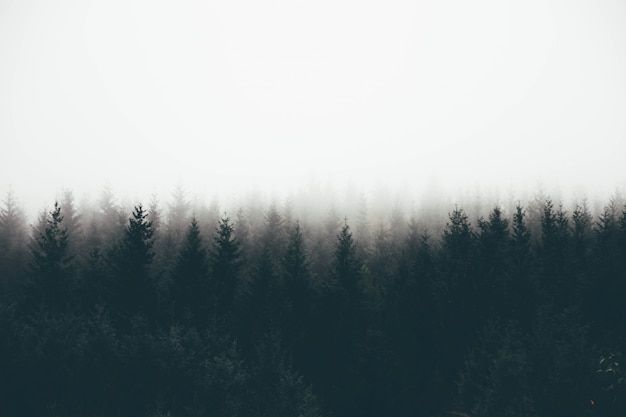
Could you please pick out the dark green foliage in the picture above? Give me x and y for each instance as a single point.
(347, 266)
(50, 274)
(273, 236)
(72, 223)
(496, 378)
(495, 278)
(131, 289)
(13, 246)
(521, 315)
(523, 292)
(557, 281)
(109, 222)
(190, 292)
(225, 262)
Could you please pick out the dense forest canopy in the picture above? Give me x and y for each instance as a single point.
(299, 307)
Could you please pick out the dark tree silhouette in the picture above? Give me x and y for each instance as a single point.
(225, 261)
(520, 315)
(297, 281)
(13, 246)
(190, 280)
(51, 268)
(131, 289)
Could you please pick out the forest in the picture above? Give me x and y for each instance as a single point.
(184, 309)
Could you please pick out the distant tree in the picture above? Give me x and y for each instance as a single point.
(244, 234)
(13, 245)
(344, 328)
(110, 220)
(273, 234)
(169, 244)
(520, 238)
(92, 283)
(155, 215)
(607, 228)
(209, 217)
(297, 281)
(495, 277)
(178, 215)
(362, 232)
(494, 236)
(459, 257)
(190, 286)
(288, 214)
(225, 262)
(582, 240)
(411, 318)
(51, 265)
(263, 300)
(555, 234)
(383, 260)
(609, 285)
(582, 233)
(555, 252)
(462, 301)
(72, 221)
(323, 244)
(347, 265)
(397, 229)
(162, 243)
(132, 288)
(523, 303)
(458, 237)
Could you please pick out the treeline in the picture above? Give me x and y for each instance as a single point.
(187, 311)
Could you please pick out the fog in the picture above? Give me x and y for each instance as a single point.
(231, 97)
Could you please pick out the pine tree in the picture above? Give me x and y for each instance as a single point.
(458, 236)
(225, 265)
(132, 289)
(608, 288)
(178, 217)
(190, 286)
(72, 223)
(13, 246)
(264, 300)
(347, 266)
(462, 302)
(339, 327)
(110, 220)
(522, 287)
(273, 234)
(581, 219)
(296, 278)
(520, 239)
(50, 268)
(556, 284)
(494, 253)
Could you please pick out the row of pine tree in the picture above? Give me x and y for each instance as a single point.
(518, 313)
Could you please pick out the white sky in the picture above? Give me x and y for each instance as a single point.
(228, 94)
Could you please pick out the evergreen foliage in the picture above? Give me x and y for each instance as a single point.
(520, 315)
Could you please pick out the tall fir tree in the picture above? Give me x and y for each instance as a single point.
(51, 268)
(522, 285)
(132, 289)
(296, 274)
(13, 246)
(494, 276)
(225, 262)
(190, 285)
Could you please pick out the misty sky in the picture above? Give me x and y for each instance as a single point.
(227, 94)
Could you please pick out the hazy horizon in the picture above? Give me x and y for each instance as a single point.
(227, 98)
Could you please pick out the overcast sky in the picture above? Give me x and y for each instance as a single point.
(228, 94)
